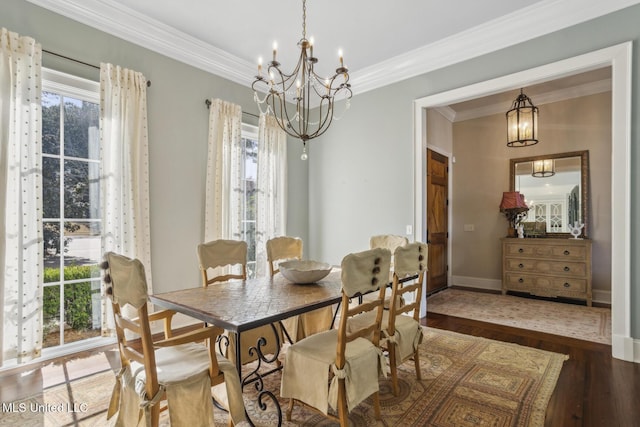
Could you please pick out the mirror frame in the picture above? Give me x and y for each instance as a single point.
(584, 184)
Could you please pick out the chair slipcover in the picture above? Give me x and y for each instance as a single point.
(187, 387)
(183, 371)
(309, 362)
(410, 261)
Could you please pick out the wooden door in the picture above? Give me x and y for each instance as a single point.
(437, 215)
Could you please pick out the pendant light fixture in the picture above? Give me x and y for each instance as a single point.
(543, 168)
(522, 122)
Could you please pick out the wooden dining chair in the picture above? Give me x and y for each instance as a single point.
(215, 259)
(177, 371)
(280, 249)
(387, 241)
(286, 248)
(401, 329)
(391, 242)
(349, 359)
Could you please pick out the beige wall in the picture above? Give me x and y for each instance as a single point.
(481, 174)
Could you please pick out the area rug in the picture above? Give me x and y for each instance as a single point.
(466, 381)
(568, 320)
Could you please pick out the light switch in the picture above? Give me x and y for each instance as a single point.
(409, 230)
(469, 227)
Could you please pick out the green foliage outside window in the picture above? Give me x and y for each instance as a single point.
(77, 296)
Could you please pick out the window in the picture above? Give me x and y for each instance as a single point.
(71, 208)
(249, 192)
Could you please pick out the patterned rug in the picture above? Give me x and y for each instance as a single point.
(466, 381)
(567, 320)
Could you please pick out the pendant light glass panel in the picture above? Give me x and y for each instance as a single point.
(543, 168)
(522, 123)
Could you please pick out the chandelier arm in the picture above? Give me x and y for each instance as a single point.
(322, 119)
(286, 80)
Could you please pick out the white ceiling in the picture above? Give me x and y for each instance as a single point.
(383, 41)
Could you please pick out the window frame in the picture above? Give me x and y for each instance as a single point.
(71, 86)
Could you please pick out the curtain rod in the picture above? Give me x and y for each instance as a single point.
(208, 102)
(80, 62)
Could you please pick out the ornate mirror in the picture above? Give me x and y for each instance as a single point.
(555, 187)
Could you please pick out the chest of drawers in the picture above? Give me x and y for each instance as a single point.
(547, 267)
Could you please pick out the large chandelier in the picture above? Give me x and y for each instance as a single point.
(302, 102)
(522, 122)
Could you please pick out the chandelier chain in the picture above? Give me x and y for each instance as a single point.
(304, 19)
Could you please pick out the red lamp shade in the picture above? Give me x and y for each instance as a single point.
(513, 200)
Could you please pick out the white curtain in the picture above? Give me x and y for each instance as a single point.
(125, 169)
(223, 206)
(271, 204)
(20, 198)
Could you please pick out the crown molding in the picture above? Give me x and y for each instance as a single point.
(129, 25)
(548, 16)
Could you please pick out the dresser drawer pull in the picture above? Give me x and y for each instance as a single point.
(521, 265)
(567, 252)
(566, 285)
(521, 280)
(567, 269)
(520, 250)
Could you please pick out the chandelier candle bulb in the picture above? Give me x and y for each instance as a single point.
(275, 49)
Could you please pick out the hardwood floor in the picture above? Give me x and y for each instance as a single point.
(593, 390)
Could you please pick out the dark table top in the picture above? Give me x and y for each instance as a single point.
(242, 305)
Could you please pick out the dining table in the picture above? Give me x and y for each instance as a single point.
(239, 306)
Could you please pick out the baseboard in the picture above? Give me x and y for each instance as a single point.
(602, 298)
(628, 346)
(477, 283)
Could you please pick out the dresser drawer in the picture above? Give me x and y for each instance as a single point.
(557, 252)
(559, 268)
(551, 286)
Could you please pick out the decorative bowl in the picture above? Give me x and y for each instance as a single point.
(304, 272)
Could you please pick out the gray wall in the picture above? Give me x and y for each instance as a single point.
(361, 172)
(178, 125)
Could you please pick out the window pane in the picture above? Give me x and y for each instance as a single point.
(81, 129)
(52, 248)
(82, 248)
(51, 315)
(81, 309)
(251, 159)
(250, 238)
(50, 123)
(250, 200)
(51, 187)
(81, 189)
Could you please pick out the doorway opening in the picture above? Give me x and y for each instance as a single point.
(619, 58)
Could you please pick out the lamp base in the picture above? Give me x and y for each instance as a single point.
(511, 232)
